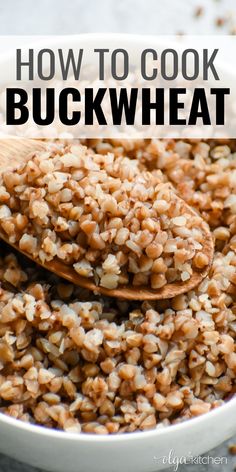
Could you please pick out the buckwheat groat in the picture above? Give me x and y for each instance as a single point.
(113, 220)
(73, 361)
(98, 366)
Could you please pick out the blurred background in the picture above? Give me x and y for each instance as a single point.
(27, 17)
(118, 16)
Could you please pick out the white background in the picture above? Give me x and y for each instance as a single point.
(127, 16)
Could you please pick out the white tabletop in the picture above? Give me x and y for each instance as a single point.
(117, 16)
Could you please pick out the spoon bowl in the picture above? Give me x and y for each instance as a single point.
(17, 151)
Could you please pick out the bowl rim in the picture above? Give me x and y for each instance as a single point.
(197, 422)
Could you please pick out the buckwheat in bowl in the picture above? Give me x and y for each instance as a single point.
(94, 383)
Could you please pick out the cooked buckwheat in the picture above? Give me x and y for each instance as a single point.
(73, 361)
(106, 215)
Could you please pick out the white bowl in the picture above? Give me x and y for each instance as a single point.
(136, 452)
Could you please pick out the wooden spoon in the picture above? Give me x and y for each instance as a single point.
(15, 152)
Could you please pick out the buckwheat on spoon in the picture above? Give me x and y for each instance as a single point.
(101, 221)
